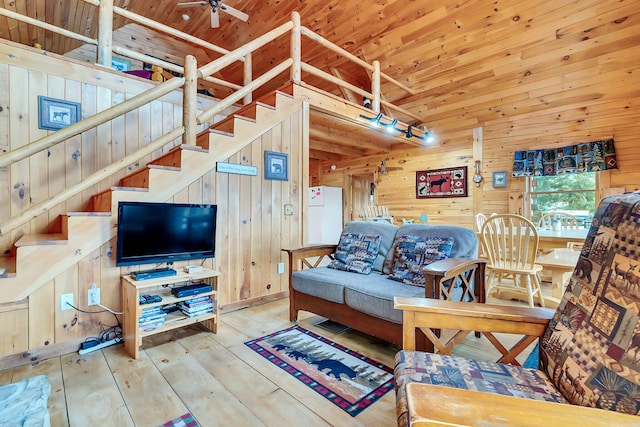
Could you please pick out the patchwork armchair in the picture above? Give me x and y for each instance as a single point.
(589, 347)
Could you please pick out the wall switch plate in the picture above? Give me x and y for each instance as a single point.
(93, 296)
(64, 299)
(280, 267)
(288, 209)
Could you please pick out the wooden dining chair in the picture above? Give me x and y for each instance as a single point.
(566, 220)
(480, 219)
(510, 245)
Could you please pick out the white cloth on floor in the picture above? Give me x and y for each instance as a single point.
(24, 403)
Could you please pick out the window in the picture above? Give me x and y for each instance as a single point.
(574, 193)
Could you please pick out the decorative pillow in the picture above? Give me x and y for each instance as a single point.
(356, 252)
(413, 253)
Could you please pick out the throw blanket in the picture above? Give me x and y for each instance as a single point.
(24, 403)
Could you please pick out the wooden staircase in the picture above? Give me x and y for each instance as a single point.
(38, 258)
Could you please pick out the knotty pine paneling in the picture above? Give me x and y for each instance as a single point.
(397, 189)
(251, 226)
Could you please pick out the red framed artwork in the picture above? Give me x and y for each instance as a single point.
(448, 182)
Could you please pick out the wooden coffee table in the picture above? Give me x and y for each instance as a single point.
(560, 263)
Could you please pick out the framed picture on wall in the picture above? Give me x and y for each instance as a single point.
(276, 166)
(447, 182)
(54, 114)
(499, 179)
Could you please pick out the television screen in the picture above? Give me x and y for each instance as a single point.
(151, 233)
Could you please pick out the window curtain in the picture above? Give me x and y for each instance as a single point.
(583, 157)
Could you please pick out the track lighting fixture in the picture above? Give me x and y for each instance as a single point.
(391, 126)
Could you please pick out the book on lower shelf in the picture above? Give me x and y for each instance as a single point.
(151, 318)
(196, 306)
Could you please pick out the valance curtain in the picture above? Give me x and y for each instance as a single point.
(583, 157)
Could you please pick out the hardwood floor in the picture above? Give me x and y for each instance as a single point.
(213, 376)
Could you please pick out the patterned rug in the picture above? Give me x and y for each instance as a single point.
(350, 380)
(185, 420)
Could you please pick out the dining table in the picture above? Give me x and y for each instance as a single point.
(550, 239)
(560, 263)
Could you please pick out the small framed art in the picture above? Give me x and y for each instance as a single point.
(499, 179)
(54, 114)
(276, 166)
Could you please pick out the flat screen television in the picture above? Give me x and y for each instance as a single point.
(150, 233)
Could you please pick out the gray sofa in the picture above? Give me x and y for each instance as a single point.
(365, 301)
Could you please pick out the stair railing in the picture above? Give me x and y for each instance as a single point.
(190, 117)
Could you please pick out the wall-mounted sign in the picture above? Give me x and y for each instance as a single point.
(236, 168)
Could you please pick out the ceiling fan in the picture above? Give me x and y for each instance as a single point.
(215, 5)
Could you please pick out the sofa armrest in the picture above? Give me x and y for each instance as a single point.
(444, 406)
(299, 258)
(431, 315)
(471, 274)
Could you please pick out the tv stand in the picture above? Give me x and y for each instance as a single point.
(161, 286)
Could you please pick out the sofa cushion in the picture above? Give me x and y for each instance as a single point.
(458, 372)
(386, 231)
(412, 253)
(321, 282)
(356, 252)
(375, 296)
(465, 241)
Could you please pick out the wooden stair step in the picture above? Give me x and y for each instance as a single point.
(286, 89)
(138, 179)
(42, 239)
(248, 111)
(171, 158)
(8, 263)
(202, 140)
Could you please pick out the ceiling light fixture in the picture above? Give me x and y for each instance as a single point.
(392, 126)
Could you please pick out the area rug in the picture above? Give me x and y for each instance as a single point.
(185, 420)
(351, 381)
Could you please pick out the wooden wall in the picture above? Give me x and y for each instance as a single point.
(494, 146)
(252, 227)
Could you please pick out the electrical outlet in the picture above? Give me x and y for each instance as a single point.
(93, 296)
(288, 209)
(64, 299)
(280, 267)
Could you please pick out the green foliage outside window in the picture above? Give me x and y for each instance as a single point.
(573, 193)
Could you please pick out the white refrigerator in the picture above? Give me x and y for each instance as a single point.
(325, 215)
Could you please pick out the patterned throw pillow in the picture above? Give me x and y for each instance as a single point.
(356, 252)
(413, 253)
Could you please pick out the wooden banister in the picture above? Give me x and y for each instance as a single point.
(90, 122)
(236, 96)
(190, 120)
(220, 63)
(71, 191)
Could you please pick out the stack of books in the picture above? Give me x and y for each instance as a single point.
(151, 318)
(196, 306)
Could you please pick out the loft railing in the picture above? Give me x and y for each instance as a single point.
(192, 73)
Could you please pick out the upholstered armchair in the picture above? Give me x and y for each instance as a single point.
(589, 348)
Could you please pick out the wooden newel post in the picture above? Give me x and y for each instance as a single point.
(105, 37)
(375, 86)
(248, 77)
(190, 100)
(296, 68)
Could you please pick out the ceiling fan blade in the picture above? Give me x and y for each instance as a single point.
(192, 3)
(215, 19)
(235, 13)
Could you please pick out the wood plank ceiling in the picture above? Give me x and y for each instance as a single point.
(470, 61)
